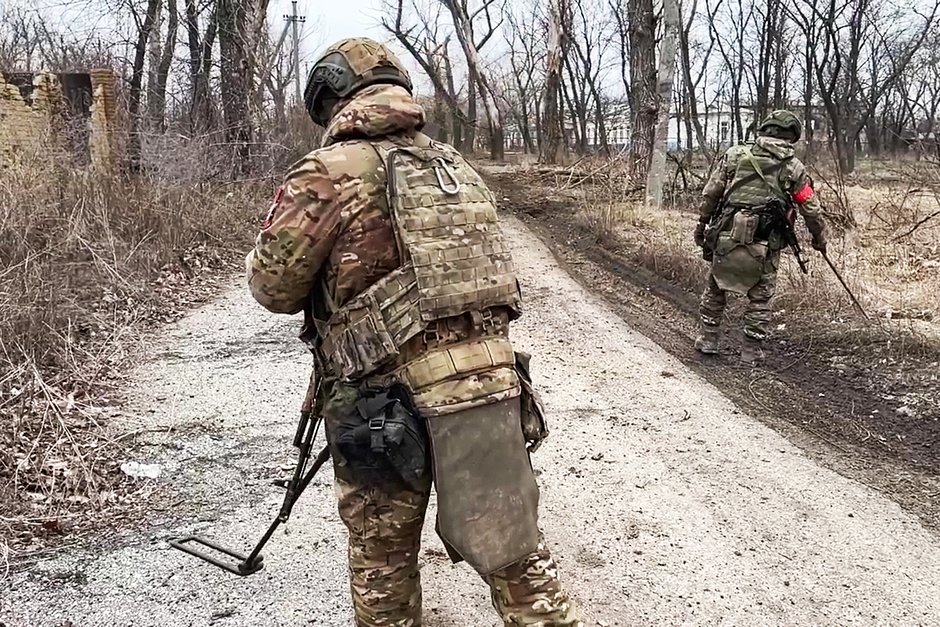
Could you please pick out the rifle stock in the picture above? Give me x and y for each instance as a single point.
(785, 225)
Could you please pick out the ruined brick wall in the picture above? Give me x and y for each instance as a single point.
(73, 116)
(105, 144)
(27, 115)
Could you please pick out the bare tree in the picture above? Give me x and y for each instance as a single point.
(144, 30)
(559, 25)
(690, 83)
(641, 20)
(234, 23)
(428, 46)
(667, 65)
(730, 34)
(463, 26)
(589, 38)
(526, 55)
(161, 59)
(863, 49)
(200, 45)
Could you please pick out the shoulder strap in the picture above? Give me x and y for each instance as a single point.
(759, 174)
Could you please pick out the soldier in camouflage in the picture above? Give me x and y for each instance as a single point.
(388, 241)
(737, 231)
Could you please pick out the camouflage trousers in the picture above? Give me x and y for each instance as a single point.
(385, 522)
(757, 314)
(385, 517)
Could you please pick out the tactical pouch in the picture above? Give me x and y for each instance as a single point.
(534, 426)
(738, 267)
(744, 227)
(384, 435)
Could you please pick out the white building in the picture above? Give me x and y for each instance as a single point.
(718, 127)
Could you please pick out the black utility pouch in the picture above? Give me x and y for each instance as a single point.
(385, 437)
(534, 426)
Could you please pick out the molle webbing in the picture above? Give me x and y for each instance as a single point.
(447, 229)
(756, 180)
(451, 361)
(454, 260)
(369, 330)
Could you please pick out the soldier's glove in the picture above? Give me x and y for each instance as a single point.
(700, 233)
(819, 243)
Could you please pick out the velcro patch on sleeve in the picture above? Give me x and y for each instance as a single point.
(803, 194)
(273, 209)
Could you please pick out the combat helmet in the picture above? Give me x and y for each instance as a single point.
(346, 67)
(782, 123)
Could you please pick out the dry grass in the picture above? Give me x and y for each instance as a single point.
(88, 262)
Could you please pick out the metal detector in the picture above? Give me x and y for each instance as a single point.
(242, 564)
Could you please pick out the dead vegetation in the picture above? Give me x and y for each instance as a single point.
(868, 386)
(90, 261)
(884, 241)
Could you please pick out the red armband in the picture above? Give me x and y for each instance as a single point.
(803, 194)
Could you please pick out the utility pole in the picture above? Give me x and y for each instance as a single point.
(293, 19)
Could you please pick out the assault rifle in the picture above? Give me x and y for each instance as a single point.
(782, 220)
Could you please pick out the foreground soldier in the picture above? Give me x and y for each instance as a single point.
(740, 235)
(389, 243)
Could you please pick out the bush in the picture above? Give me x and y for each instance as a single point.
(88, 260)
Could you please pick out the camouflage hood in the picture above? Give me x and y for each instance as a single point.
(375, 111)
(779, 148)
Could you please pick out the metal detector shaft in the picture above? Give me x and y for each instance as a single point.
(282, 517)
(855, 302)
(253, 562)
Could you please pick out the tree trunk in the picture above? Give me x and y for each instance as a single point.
(200, 62)
(234, 19)
(642, 22)
(154, 50)
(667, 65)
(465, 36)
(458, 121)
(470, 132)
(550, 151)
(691, 98)
(158, 91)
(137, 79)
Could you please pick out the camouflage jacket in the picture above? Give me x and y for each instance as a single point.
(325, 225)
(785, 178)
(328, 235)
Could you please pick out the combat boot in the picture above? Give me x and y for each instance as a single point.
(751, 351)
(707, 342)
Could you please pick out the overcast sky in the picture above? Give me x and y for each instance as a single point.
(331, 20)
(326, 21)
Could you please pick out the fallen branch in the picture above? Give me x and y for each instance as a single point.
(916, 226)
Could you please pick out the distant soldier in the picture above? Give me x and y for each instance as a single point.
(389, 242)
(740, 234)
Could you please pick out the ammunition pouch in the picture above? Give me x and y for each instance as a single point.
(384, 436)
(749, 225)
(744, 227)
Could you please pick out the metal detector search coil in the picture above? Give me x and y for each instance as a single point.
(246, 565)
(254, 561)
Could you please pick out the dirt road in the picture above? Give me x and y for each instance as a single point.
(664, 503)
